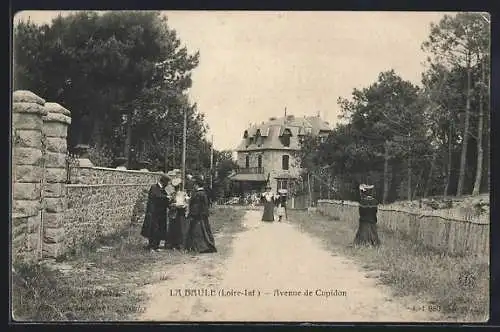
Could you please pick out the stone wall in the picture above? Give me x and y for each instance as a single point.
(55, 132)
(50, 215)
(27, 174)
(103, 201)
(448, 233)
(103, 175)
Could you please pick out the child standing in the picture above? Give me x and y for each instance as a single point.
(281, 210)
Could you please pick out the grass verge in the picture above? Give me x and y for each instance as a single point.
(456, 286)
(99, 281)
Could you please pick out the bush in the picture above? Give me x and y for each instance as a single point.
(102, 157)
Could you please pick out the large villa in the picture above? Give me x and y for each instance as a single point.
(267, 152)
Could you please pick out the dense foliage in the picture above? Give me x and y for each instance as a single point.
(125, 76)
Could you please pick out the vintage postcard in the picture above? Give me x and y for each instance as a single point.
(241, 166)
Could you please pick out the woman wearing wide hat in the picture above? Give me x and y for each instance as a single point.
(268, 199)
(368, 208)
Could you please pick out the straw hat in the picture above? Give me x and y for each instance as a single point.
(174, 173)
(365, 187)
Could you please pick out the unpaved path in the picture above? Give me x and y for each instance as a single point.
(269, 258)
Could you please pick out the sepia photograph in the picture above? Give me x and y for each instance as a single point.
(250, 166)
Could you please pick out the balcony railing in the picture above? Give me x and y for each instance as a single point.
(250, 170)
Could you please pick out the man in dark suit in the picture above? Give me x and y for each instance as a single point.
(154, 227)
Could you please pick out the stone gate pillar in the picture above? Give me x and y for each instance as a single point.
(55, 132)
(27, 170)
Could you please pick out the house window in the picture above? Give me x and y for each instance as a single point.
(247, 161)
(285, 137)
(258, 138)
(259, 161)
(285, 160)
(282, 184)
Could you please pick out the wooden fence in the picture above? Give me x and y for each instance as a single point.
(448, 233)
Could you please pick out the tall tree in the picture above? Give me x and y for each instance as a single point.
(483, 55)
(455, 41)
(115, 71)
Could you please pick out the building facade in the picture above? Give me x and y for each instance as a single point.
(267, 152)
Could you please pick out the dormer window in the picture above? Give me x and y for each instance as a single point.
(258, 138)
(245, 134)
(285, 137)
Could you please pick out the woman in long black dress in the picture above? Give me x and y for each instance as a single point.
(368, 208)
(268, 199)
(199, 238)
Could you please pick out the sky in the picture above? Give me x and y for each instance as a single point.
(254, 64)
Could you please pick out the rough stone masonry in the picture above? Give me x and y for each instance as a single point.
(27, 172)
(55, 131)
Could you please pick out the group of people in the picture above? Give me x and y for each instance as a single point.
(271, 200)
(368, 207)
(178, 219)
(182, 221)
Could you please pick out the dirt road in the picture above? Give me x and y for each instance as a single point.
(275, 273)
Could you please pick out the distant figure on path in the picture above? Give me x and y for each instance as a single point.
(368, 207)
(282, 204)
(154, 227)
(177, 217)
(269, 200)
(199, 238)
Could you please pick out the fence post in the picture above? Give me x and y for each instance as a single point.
(27, 163)
(55, 130)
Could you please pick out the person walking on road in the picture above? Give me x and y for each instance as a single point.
(368, 207)
(269, 201)
(281, 210)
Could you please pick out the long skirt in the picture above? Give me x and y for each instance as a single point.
(367, 234)
(177, 230)
(200, 238)
(268, 214)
